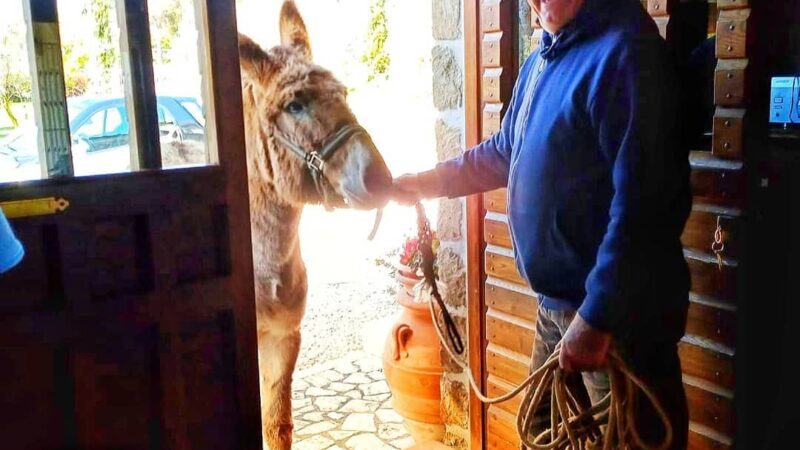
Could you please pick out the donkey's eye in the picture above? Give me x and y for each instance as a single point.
(294, 107)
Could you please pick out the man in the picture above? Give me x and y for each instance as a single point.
(598, 195)
(11, 251)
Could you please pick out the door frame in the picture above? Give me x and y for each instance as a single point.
(490, 42)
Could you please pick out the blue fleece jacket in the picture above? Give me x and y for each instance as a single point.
(598, 188)
(11, 251)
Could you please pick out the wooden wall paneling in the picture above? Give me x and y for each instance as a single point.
(517, 302)
(732, 4)
(495, 201)
(730, 82)
(728, 132)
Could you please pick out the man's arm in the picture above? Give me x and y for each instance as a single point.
(480, 169)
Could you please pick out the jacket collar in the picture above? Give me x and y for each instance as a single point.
(593, 16)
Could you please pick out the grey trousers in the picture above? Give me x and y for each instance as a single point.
(656, 364)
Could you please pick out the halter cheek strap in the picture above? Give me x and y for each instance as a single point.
(315, 160)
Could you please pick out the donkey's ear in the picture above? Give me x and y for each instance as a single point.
(293, 29)
(252, 58)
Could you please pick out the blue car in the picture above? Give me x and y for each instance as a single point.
(100, 135)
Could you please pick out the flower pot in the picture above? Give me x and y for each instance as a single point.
(407, 278)
(413, 368)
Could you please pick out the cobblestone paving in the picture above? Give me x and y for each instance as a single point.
(346, 404)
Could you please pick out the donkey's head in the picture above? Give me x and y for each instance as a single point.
(310, 146)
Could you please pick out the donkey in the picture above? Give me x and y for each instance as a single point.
(304, 145)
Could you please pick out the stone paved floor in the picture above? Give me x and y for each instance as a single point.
(346, 404)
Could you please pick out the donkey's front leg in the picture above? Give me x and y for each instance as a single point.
(278, 346)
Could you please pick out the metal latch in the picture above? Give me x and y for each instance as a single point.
(34, 207)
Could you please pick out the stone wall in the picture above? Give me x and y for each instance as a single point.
(447, 61)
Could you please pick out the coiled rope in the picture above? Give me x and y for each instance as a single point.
(610, 423)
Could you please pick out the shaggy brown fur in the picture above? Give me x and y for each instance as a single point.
(279, 187)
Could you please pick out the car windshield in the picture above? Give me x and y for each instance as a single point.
(195, 110)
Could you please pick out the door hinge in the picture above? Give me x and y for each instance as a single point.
(34, 207)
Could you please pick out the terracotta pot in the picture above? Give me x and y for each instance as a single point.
(413, 368)
(407, 277)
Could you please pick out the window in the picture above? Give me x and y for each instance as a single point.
(178, 80)
(97, 80)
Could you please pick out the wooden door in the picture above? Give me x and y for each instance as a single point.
(130, 324)
(503, 308)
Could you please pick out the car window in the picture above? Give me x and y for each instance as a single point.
(165, 117)
(93, 127)
(195, 110)
(115, 124)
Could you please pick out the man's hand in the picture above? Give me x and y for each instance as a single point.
(407, 190)
(584, 348)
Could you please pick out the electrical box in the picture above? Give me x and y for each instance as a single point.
(784, 108)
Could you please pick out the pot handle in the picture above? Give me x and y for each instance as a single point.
(401, 333)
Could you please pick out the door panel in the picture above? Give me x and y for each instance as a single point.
(140, 330)
(130, 324)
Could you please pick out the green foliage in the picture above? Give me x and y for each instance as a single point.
(165, 27)
(15, 85)
(107, 53)
(376, 56)
(76, 80)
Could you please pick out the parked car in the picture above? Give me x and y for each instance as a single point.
(99, 131)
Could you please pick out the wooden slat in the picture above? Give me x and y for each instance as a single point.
(491, 118)
(658, 7)
(503, 267)
(718, 185)
(702, 439)
(496, 387)
(698, 234)
(491, 84)
(495, 201)
(492, 17)
(711, 281)
(496, 232)
(663, 24)
(502, 424)
(710, 409)
(732, 33)
(511, 302)
(728, 134)
(495, 443)
(503, 363)
(707, 364)
(716, 324)
(730, 85)
(510, 333)
(732, 4)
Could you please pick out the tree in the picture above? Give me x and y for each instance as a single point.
(107, 53)
(76, 80)
(15, 85)
(164, 27)
(376, 57)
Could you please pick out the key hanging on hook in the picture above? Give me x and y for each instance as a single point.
(718, 246)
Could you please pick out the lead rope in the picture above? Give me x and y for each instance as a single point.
(571, 426)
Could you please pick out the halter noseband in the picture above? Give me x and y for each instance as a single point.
(315, 160)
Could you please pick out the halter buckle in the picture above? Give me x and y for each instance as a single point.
(315, 162)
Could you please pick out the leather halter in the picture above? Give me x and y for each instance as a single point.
(315, 160)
